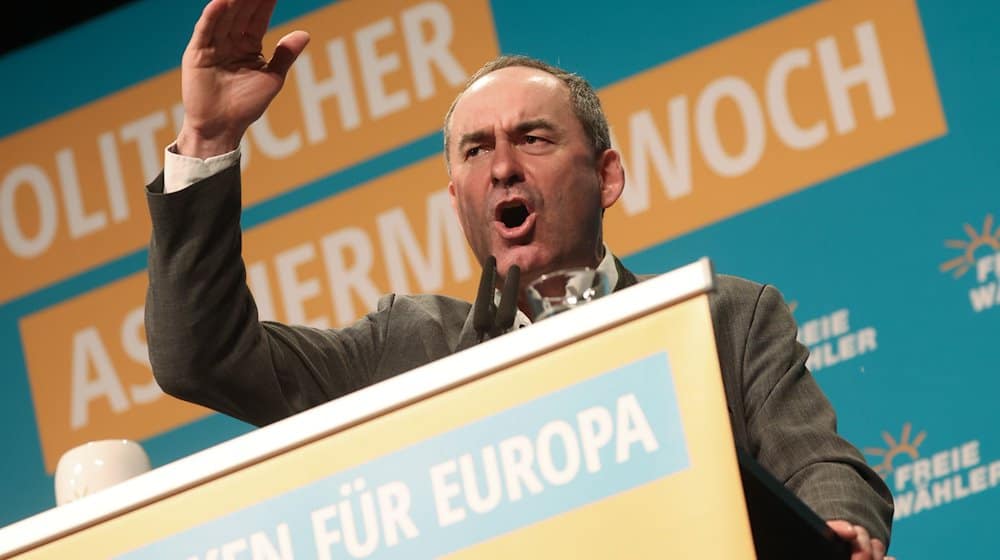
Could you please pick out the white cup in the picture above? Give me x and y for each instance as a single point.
(96, 465)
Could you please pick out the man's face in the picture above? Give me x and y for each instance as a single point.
(525, 182)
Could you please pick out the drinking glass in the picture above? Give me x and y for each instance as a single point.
(565, 289)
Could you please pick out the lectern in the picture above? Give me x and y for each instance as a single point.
(601, 432)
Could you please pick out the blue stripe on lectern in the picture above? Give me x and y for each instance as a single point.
(561, 451)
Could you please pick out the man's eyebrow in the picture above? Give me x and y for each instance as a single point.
(476, 137)
(536, 124)
(523, 127)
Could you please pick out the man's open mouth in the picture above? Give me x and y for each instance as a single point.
(514, 218)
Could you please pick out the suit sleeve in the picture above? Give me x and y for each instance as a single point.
(792, 428)
(206, 344)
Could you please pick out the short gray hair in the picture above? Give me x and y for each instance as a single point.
(586, 104)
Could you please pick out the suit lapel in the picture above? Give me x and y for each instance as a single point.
(468, 336)
(625, 276)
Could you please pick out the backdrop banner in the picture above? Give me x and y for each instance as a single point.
(841, 151)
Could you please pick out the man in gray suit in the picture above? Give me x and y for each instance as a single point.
(531, 173)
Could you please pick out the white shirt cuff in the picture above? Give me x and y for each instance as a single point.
(180, 172)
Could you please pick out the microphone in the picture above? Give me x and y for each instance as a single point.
(508, 300)
(483, 310)
(488, 318)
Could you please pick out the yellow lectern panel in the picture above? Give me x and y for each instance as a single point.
(617, 445)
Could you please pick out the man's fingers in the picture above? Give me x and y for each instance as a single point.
(261, 18)
(223, 32)
(862, 543)
(204, 30)
(242, 12)
(288, 49)
(878, 550)
(863, 546)
(843, 529)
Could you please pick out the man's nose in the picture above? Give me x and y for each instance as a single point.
(506, 166)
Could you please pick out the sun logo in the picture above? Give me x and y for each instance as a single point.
(893, 449)
(986, 238)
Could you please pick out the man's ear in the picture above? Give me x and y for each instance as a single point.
(455, 203)
(612, 174)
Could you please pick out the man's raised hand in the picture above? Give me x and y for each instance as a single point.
(226, 82)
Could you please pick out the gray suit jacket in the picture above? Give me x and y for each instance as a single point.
(207, 346)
